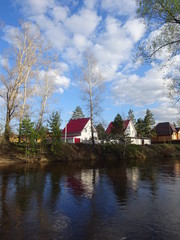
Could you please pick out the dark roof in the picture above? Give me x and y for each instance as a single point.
(125, 124)
(75, 126)
(165, 129)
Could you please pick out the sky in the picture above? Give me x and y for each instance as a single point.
(112, 32)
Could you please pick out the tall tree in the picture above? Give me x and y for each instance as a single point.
(163, 16)
(163, 44)
(78, 113)
(54, 124)
(101, 131)
(145, 126)
(27, 134)
(47, 87)
(23, 60)
(118, 128)
(131, 116)
(140, 127)
(149, 123)
(92, 88)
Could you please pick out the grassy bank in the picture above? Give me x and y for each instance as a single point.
(82, 152)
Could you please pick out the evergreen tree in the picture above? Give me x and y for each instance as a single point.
(140, 127)
(149, 123)
(118, 125)
(101, 131)
(78, 113)
(28, 134)
(131, 116)
(42, 137)
(27, 131)
(54, 124)
(117, 128)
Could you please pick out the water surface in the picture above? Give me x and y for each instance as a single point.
(57, 201)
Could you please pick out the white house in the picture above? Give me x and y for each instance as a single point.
(78, 130)
(130, 132)
(129, 128)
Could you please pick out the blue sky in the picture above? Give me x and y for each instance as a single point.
(112, 31)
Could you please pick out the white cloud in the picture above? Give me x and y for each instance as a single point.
(166, 113)
(73, 56)
(62, 66)
(113, 46)
(140, 91)
(34, 7)
(2, 61)
(10, 34)
(59, 13)
(122, 7)
(90, 3)
(85, 22)
(135, 28)
(54, 32)
(81, 43)
(59, 81)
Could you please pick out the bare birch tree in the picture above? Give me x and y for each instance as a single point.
(47, 89)
(21, 64)
(92, 88)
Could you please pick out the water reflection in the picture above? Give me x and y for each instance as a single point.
(71, 202)
(83, 182)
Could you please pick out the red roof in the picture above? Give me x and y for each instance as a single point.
(125, 124)
(75, 126)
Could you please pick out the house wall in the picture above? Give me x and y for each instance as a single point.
(130, 130)
(86, 133)
(178, 135)
(137, 141)
(164, 138)
(140, 141)
(68, 140)
(174, 136)
(147, 141)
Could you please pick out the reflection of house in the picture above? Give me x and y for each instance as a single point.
(130, 133)
(165, 132)
(78, 130)
(133, 176)
(83, 183)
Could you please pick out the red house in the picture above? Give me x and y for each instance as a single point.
(78, 130)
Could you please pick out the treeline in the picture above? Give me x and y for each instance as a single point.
(32, 140)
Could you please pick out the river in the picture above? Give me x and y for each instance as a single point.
(69, 202)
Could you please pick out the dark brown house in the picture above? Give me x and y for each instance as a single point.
(165, 132)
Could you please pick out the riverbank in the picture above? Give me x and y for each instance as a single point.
(12, 153)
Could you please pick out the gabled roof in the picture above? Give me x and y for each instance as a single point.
(75, 126)
(165, 129)
(125, 124)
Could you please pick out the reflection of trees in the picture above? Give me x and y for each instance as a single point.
(24, 203)
(55, 178)
(4, 216)
(118, 178)
(149, 174)
(29, 182)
